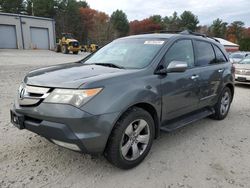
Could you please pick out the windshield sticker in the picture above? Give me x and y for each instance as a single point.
(154, 42)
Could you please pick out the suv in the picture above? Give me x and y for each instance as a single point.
(116, 101)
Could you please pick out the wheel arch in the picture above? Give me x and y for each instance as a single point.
(231, 87)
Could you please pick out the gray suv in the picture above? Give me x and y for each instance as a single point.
(116, 101)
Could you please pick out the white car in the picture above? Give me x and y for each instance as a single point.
(237, 56)
(242, 70)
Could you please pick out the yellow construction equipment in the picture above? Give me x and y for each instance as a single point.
(90, 48)
(67, 44)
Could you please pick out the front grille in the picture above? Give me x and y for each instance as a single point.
(31, 95)
(242, 72)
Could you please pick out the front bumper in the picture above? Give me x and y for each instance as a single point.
(242, 78)
(74, 49)
(67, 126)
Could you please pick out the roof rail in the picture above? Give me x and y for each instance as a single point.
(188, 32)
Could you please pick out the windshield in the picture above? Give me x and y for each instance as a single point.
(127, 53)
(245, 61)
(238, 56)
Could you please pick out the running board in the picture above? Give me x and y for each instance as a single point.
(185, 120)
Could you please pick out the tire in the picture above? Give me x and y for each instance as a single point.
(131, 139)
(65, 49)
(223, 105)
(58, 48)
(75, 52)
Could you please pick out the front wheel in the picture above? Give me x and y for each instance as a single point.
(65, 49)
(131, 139)
(223, 105)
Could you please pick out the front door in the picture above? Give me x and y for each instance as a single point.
(179, 90)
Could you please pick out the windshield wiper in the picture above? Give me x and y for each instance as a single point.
(109, 65)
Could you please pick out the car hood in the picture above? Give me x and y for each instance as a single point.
(71, 75)
(242, 66)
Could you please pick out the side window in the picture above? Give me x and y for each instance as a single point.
(220, 58)
(182, 50)
(204, 53)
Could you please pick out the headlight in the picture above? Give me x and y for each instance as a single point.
(75, 97)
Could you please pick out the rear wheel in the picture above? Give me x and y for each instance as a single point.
(131, 139)
(223, 105)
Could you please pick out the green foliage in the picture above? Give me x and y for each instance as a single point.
(188, 21)
(172, 23)
(157, 19)
(218, 28)
(245, 44)
(12, 6)
(44, 8)
(120, 22)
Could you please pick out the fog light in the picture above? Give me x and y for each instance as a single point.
(66, 145)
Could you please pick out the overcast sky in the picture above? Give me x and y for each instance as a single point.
(207, 10)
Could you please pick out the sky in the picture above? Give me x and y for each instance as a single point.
(207, 10)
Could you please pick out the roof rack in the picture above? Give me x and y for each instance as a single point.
(188, 32)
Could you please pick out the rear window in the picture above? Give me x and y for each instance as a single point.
(204, 53)
(220, 58)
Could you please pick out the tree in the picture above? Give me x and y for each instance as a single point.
(157, 19)
(68, 18)
(43, 8)
(120, 23)
(245, 44)
(218, 28)
(12, 6)
(188, 21)
(235, 31)
(144, 26)
(172, 23)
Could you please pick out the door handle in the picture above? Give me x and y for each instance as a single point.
(194, 77)
(220, 70)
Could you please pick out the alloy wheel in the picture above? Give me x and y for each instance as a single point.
(135, 139)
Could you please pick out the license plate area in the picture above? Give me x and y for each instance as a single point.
(17, 120)
(242, 79)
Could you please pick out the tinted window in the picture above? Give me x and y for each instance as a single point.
(181, 50)
(204, 53)
(219, 55)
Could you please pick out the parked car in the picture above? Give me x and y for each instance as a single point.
(238, 56)
(242, 70)
(116, 101)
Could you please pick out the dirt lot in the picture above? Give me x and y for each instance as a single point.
(207, 153)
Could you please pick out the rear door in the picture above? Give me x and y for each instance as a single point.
(179, 90)
(210, 72)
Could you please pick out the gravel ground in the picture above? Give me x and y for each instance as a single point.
(207, 153)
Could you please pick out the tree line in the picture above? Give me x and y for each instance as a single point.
(92, 26)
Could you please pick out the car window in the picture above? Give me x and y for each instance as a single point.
(245, 61)
(127, 53)
(182, 50)
(237, 56)
(204, 53)
(220, 58)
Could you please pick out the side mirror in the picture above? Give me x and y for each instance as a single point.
(177, 66)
